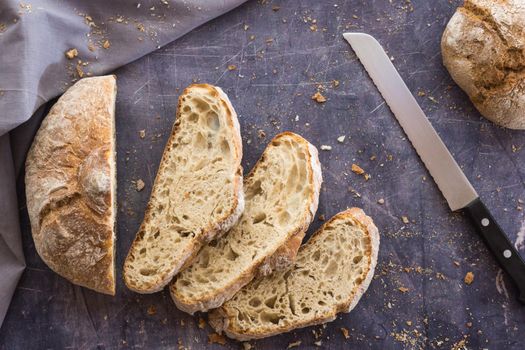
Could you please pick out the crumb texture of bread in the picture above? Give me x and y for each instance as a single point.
(281, 194)
(331, 273)
(197, 194)
(483, 48)
(70, 185)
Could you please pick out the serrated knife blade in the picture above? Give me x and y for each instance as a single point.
(447, 174)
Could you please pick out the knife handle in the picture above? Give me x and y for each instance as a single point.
(498, 242)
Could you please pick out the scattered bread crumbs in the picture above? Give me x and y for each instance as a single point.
(252, 37)
(341, 139)
(456, 263)
(469, 324)
(142, 133)
(152, 310)
(318, 343)
(247, 346)
(140, 27)
(2, 27)
(409, 323)
(326, 148)
(403, 289)
(440, 276)
(215, 338)
(405, 219)
(202, 323)
(71, 53)
(317, 97)
(322, 217)
(276, 8)
(269, 40)
(294, 344)
(313, 27)
(421, 93)
(91, 47)
(335, 83)
(345, 332)
(357, 169)
(140, 185)
(381, 201)
(232, 67)
(261, 134)
(433, 99)
(106, 44)
(469, 278)
(246, 27)
(80, 72)
(373, 157)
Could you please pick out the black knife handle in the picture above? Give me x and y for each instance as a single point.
(500, 245)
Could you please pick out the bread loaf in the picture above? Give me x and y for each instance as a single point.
(282, 193)
(483, 49)
(332, 272)
(71, 185)
(197, 195)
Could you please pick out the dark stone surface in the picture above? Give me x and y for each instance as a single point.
(272, 85)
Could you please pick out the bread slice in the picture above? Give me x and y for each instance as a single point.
(197, 194)
(71, 185)
(332, 271)
(282, 193)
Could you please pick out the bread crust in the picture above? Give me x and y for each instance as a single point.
(213, 229)
(282, 257)
(70, 182)
(483, 48)
(219, 319)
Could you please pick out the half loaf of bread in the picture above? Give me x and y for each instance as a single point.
(71, 185)
(332, 271)
(282, 193)
(197, 194)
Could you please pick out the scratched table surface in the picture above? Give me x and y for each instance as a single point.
(284, 52)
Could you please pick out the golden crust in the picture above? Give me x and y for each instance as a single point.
(69, 185)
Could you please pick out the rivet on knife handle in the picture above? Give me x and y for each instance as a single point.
(447, 174)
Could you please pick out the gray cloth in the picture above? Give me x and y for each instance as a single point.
(34, 37)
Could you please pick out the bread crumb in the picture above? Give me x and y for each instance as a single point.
(232, 67)
(469, 278)
(318, 343)
(409, 323)
(405, 219)
(317, 97)
(322, 217)
(345, 332)
(326, 148)
(246, 346)
(341, 139)
(261, 134)
(140, 185)
(71, 53)
(456, 263)
(215, 338)
(469, 324)
(106, 44)
(142, 133)
(202, 323)
(80, 72)
(294, 344)
(381, 201)
(276, 8)
(152, 310)
(357, 169)
(252, 37)
(403, 289)
(335, 83)
(246, 27)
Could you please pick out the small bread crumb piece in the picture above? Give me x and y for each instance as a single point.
(469, 278)
(215, 338)
(71, 53)
(326, 148)
(403, 289)
(294, 344)
(317, 97)
(405, 219)
(357, 169)
(106, 44)
(140, 185)
(142, 133)
(247, 346)
(341, 139)
(232, 67)
(322, 217)
(381, 201)
(202, 323)
(152, 310)
(345, 333)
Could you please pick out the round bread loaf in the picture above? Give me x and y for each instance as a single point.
(483, 49)
(71, 182)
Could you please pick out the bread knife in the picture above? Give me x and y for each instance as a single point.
(448, 176)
